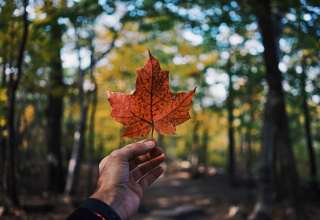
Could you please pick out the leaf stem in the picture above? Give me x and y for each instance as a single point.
(152, 131)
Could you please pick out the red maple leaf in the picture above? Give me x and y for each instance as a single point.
(152, 105)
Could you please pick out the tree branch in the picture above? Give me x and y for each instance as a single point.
(105, 53)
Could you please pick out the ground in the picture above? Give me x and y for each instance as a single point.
(175, 196)
(178, 196)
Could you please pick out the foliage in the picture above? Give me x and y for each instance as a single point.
(215, 46)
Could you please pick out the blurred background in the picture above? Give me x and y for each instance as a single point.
(251, 148)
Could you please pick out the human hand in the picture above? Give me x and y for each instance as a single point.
(126, 173)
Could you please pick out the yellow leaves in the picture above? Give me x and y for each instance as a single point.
(2, 121)
(187, 49)
(3, 95)
(5, 133)
(29, 113)
(122, 63)
(237, 112)
(107, 129)
(59, 91)
(3, 100)
(27, 117)
(287, 30)
(72, 110)
(209, 58)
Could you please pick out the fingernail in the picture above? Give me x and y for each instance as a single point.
(149, 144)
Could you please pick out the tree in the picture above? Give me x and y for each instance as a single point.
(79, 136)
(313, 171)
(275, 123)
(92, 118)
(304, 44)
(230, 110)
(82, 18)
(13, 83)
(54, 111)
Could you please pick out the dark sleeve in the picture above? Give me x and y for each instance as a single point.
(94, 209)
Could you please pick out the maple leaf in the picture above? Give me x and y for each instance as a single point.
(152, 105)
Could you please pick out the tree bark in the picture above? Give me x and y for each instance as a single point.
(308, 132)
(91, 135)
(275, 123)
(11, 167)
(76, 156)
(195, 150)
(2, 160)
(11, 93)
(249, 152)
(2, 128)
(231, 139)
(205, 142)
(56, 177)
(248, 135)
(313, 170)
(4, 65)
(79, 136)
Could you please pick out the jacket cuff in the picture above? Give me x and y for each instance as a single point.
(100, 208)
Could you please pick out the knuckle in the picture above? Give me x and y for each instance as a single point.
(103, 162)
(134, 145)
(130, 146)
(115, 154)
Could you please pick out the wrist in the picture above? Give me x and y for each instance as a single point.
(100, 209)
(110, 199)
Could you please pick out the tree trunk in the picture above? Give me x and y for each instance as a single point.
(248, 137)
(4, 65)
(205, 142)
(11, 167)
(76, 156)
(11, 93)
(308, 132)
(2, 129)
(91, 136)
(231, 139)
(55, 114)
(275, 128)
(79, 136)
(2, 160)
(195, 150)
(248, 132)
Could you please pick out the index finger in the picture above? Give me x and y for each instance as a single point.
(153, 153)
(134, 150)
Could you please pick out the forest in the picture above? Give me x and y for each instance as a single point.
(251, 149)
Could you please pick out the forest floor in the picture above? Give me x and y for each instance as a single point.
(176, 196)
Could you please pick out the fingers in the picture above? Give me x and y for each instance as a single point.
(134, 150)
(150, 177)
(145, 167)
(155, 152)
(135, 153)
